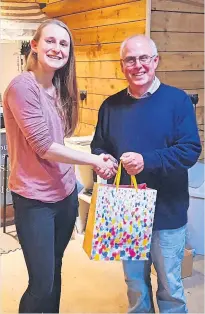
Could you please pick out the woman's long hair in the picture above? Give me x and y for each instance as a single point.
(64, 80)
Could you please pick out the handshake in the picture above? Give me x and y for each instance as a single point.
(108, 165)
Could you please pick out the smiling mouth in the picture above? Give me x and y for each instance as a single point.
(54, 57)
(138, 74)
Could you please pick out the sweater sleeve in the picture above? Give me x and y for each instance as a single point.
(23, 101)
(186, 147)
(99, 144)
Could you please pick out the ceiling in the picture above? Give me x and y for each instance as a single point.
(19, 19)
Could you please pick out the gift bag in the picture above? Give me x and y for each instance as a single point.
(120, 221)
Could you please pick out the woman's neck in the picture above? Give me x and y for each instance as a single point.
(45, 81)
(44, 78)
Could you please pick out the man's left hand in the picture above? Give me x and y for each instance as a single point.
(132, 162)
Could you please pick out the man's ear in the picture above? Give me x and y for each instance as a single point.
(122, 67)
(33, 44)
(156, 62)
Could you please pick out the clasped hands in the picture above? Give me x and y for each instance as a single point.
(132, 162)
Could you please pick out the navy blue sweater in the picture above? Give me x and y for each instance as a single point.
(163, 129)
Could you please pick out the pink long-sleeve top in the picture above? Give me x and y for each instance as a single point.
(32, 125)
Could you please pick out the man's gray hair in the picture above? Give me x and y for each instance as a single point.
(152, 44)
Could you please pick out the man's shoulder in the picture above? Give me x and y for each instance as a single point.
(172, 90)
(115, 99)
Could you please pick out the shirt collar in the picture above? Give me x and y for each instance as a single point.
(155, 85)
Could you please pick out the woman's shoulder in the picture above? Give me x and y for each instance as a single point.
(22, 81)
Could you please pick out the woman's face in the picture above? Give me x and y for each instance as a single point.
(53, 47)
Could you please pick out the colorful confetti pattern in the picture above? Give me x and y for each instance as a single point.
(123, 223)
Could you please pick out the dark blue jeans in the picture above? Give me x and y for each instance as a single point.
(44, 230)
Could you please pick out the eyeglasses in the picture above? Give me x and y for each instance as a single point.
(131, 60)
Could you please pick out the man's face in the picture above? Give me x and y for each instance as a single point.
(139, 74)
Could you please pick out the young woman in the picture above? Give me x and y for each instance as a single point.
(40, 108)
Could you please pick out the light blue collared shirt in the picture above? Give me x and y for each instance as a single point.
(155, 85)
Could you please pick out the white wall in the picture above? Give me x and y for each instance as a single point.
(9, 63)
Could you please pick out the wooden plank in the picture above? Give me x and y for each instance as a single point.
(177, 22)
(100, 52)
(200, 115)
(109, 33)
(183, 79)
(88, 116)
(202, 153)
(104, 87)
(178, 41)
(179, 61)
(66, 7)
(84, 129)
(26, 19)
(18, 5)
(17, 1)
(93, 101)
(49, 1)
(107, 69)
(178, 6)
(121, 13)
(184, 42)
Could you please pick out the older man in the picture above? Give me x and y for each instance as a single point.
(152, 128)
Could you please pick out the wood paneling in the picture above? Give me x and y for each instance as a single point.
(93, 101)
(100, 52)
(177, 27)
(169, 41)
(196, 6)
(74, 6)
(180, 61)
(110, 15)
(105, 69)
(88, 116)
(202, 154)
(183, 79)
(177, 22)
(17, 1)
(101, 86)
(84, 129)
(200, 116)
(108, 33)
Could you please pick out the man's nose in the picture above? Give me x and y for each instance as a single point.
(137, 63)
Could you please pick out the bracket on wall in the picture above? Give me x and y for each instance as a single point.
(83, 94)
(42, 5)
(194, 99)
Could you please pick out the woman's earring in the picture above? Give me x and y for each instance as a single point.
(34, 54)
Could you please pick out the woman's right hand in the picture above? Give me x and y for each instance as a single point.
(106, 166)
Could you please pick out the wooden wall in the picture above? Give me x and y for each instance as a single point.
(99, 27)
(177, 27)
